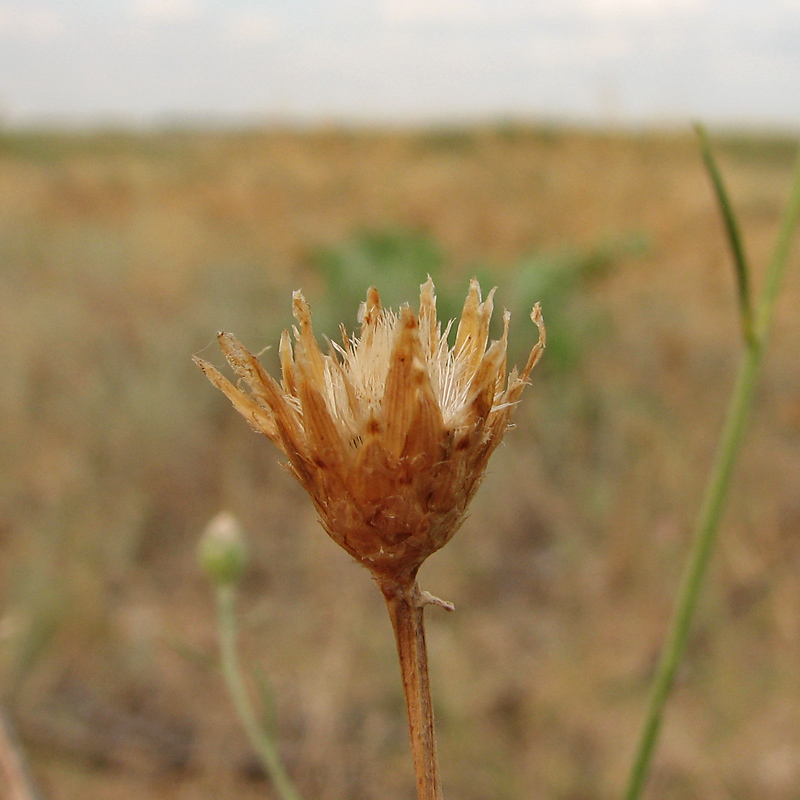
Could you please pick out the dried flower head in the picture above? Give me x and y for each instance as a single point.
(390, 432)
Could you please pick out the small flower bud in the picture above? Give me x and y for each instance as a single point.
(222, 551)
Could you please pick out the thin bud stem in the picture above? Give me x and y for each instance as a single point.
(231, 672)
(406, 605)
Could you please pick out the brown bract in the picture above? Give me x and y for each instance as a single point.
(390, 432)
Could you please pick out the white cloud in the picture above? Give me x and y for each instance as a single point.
(639, 8)
(29, 23)
(565, 49)
(165, 10)
(514, 12)
(412, 12)
(252, 26)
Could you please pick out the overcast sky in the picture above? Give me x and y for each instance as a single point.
(155, 61)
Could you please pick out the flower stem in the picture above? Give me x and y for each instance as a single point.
(406, 606)
(232, 673)
(716, 492)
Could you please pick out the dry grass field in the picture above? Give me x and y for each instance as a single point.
(121, 256)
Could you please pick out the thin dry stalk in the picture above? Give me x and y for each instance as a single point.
(406, 606)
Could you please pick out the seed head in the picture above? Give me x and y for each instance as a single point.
(391, 431)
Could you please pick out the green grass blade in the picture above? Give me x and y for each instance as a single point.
(733, 234)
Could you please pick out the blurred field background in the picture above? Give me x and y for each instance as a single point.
(121, 255)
